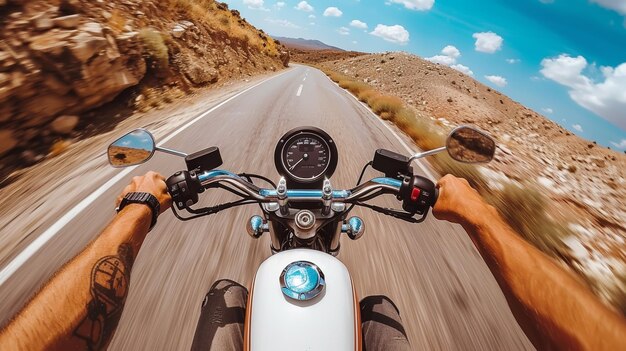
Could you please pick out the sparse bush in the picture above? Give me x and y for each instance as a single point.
(354, 87)
(385, 103)
(155, 49)
(366, 95)
(59, 147)
(524, 208)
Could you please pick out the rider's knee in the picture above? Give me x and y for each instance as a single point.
(381, 325)
(231, 292)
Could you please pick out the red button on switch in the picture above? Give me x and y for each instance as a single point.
(415, 194)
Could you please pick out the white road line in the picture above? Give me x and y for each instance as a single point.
(299, 90)
(408, 149)
(38, 243)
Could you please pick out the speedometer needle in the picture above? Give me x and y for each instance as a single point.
(295, 164)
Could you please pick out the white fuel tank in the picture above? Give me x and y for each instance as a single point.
(328, 322)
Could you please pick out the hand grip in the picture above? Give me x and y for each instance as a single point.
(184, 187)
(417, 194)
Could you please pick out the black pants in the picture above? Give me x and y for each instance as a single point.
(223, 313)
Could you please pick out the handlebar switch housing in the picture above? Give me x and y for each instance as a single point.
(394, 165)
(184, 187)
(417, 194)
(204, 160)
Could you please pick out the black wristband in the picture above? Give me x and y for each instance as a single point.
(142, 198)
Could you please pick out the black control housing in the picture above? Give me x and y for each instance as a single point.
(394, 165)
(204, 160)
(417, 194)
(184, 187)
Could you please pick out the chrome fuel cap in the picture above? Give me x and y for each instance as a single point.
(302, 280)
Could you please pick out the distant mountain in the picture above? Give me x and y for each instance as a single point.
(305, 44)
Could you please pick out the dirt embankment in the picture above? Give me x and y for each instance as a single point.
(62, 59)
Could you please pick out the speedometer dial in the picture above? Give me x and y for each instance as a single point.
(305, 156)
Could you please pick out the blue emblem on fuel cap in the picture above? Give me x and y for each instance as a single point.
(302, 280)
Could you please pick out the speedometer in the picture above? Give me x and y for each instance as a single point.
(305, 156)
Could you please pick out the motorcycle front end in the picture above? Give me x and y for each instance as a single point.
(302, 297)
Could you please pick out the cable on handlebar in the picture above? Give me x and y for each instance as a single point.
(363, 173)
(231, 190)
(211, 210)
(405, 216)
(250, 176)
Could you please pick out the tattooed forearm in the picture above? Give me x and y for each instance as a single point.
(109, 287)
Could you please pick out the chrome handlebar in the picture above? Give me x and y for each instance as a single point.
(370, 188)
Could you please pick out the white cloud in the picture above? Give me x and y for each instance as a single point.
(282, 23)
(463, 69)
(333, 12)
(606, 99)
(358, 24)
(497, 80)
(451, 51)
(578, 128)
(279, 5)
(616, 5)
(354, 42)
(442, 60)
(418, 5)
(621, 145)
(304, 6)
(448, 57)
(255, 4)
(547, 110)
(488, 42)
(312, 16)
(513, 61)
(394, 34)
(344, 31)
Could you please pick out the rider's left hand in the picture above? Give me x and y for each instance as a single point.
(152, 183)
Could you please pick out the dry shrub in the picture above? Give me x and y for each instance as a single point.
(155, 49)
(385, 103)
(366, 95)
(524, 208)
(355, 87)
(59, 147)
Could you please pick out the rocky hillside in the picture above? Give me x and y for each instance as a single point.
(60, 59)
(584, 184)
(313, 56)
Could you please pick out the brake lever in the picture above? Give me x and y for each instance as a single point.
(405, 216)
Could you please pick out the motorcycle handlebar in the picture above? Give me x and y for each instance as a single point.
(363, 192)
(416, 193)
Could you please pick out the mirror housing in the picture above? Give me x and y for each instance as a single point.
(132, 149)
(470, 145)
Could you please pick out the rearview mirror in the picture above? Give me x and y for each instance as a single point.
(470, 145)
(132, 149)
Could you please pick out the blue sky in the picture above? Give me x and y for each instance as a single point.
(563, 58)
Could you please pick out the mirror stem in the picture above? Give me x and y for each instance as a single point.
(170, 151)
(427, 153)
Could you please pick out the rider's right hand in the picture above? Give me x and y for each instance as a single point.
(458, 202)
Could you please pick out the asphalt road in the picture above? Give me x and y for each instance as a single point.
(447, 297)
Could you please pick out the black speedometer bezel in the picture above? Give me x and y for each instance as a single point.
(294, 181)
